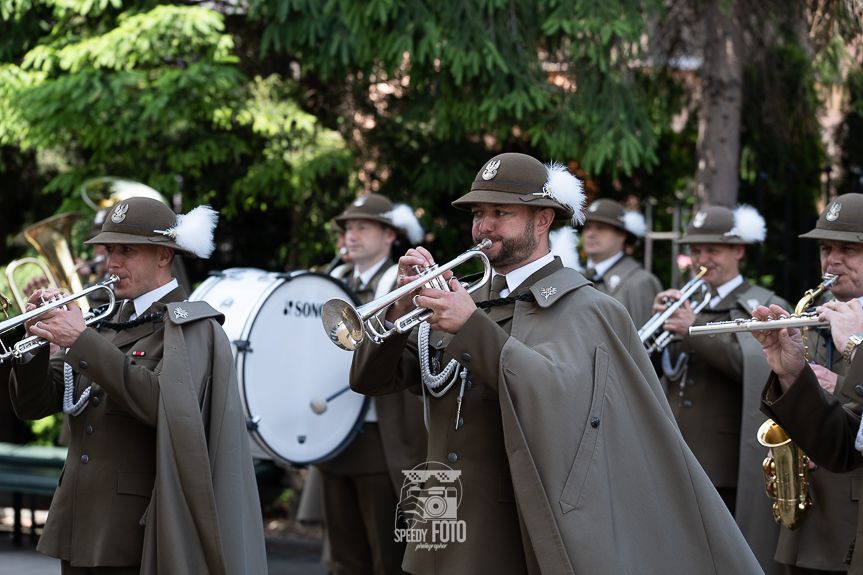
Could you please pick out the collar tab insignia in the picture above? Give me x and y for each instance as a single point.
(613, 282)
(753, 303)
(547, 292)
(180, 313)
(491, 170)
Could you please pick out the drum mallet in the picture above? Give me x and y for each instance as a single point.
(319, 404)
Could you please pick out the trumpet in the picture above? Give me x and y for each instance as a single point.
(800, 317)
(346, 325)
(652, 335)
(34, 342)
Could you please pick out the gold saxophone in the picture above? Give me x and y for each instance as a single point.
(786, 471)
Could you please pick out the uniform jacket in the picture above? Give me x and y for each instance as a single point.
(633, 286)
(716, 406)
(823, 540)
(168, 465)
(821, 426)
(562, 414)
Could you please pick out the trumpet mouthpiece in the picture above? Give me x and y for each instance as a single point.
(318, 405)
(485, 244)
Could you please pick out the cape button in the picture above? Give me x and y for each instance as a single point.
(858, 389)
(687, 404)
(452, 457)
(95, 402)
(89, 430)
(468, 385)
(594, 422)
(465, 357)
(82, 364)
(84, 459)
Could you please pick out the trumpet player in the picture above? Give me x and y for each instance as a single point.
(542, 406)
(360, 486)
(793, 400)
(159, 475)
(713, 383)
(608, 230)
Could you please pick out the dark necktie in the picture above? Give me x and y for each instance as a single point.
(357, 284)
(126, 312)
(590, 273)
(498, 284)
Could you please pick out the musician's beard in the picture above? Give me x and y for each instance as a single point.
(513, 251)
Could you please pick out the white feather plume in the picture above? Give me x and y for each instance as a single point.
(194, 231)
(634, 223)
(749, 224)
(566, 190)
(564, 244)
(403, 217)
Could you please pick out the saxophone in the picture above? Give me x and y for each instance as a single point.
(786, 471)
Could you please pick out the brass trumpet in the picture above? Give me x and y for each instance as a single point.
(34, 342)
(800, 317)
(786, 476)
(652, 335)
(346, 325)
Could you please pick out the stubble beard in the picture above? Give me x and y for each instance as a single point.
(513, 251)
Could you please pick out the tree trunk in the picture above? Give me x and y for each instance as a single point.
(721, 103)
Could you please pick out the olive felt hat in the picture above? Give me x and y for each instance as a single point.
(520, 179)
(149, 222)
(379, 209)
(605, 211)
(841, 220)
(721, 225)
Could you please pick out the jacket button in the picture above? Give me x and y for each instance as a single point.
(465, 357)
(452, 457)
(89, 430)
(859, 390)
(687, 404)
(468, 385)
(460, 421)
(690, 382)
(95, 402)
(84, 459)
(594, 422)
(82, 364)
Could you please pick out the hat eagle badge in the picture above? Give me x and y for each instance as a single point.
(833, 213)
(547, 292)
(360, 201)
(119, 213)
(491, 170)
(593, 207)
(180, 313)
(699, 219)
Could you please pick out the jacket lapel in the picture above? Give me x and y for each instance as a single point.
(128, 336)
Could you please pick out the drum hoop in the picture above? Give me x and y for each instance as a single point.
(247, 330)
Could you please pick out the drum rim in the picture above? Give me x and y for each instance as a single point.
(247, 329)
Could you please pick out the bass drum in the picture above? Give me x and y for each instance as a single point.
(284, 360)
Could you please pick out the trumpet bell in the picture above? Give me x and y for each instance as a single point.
(343, 324)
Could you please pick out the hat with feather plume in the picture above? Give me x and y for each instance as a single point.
(721, 225)
(610, 212)
(147, 221)
(377, 208)
(514, 178)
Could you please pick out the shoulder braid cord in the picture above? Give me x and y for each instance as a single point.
(451, 372)
(77, 407)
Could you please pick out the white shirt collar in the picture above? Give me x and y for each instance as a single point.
(517, 276)
(367, 275)
(604, 266)
(143, 302)
(725, 289)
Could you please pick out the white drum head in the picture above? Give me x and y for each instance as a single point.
(290, 362)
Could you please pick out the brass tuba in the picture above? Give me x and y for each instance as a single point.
(786, 476)
(52, 239)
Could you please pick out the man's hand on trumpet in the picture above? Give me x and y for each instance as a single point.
(61, 327)
(846, 319)
(681, 319)
(783, 348)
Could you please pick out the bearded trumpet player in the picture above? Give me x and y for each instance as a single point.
(818, 407)
(159, 476)
(713, 383)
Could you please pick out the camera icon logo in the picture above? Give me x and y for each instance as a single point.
(439, 503)
(431, 492)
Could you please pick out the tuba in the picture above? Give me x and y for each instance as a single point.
(52, 239)
(786, 476)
